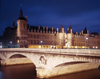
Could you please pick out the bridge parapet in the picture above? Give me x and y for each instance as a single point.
(88, 52)
(48, 59)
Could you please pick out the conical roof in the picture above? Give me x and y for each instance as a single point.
(69, 30)
(61, 29)
(21, 15)
(85, 31)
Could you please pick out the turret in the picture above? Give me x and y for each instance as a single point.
(61, 29)
(21, 24)
(13, 23)
(85, 32)
(22, 29)
(69, 29)
(69, 37)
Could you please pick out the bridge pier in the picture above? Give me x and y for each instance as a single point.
(3, 62)
(41, 72)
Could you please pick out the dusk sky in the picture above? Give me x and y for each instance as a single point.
(52, 13)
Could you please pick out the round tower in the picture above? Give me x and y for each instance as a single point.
(22, 30)
(69, 37)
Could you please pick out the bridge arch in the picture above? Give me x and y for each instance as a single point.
(27, 55)
(70, 63)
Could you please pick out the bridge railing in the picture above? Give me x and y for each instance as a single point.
(68, 51)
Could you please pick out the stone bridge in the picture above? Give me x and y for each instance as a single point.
(54, 59)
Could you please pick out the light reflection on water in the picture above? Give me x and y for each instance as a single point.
(28, 72)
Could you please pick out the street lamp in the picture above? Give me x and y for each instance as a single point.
(55, 39)
(87, 41)
(41, 44)
(0, 45)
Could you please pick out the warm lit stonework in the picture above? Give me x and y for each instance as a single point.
(26, 36)
(52, 62)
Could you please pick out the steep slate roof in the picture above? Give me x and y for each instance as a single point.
(61, 29)
(85, 31)
(21, 16)
(41, 28)
(69, 30)
(95, 33)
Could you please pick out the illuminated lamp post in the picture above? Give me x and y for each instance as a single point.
(1, 45)
(10, 44)
(41, 44)
(55, 39)
(87, 41)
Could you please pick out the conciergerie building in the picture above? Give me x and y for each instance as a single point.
(25, 36)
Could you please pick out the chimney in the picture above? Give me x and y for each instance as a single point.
(82, 32)
(52, 28)
(76, 33)
(38, 27)
(87, 32)
(71, 30)
(67, 28)
(57, 29)
(46, 28)
(62, 30)
(26, 17)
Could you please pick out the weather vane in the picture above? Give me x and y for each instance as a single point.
(20, 5)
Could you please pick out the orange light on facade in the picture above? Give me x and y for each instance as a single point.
(82, 46)
(17, 41)
(96, 47)
(75, 46)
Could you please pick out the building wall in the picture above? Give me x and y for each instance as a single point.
(45, 40)
(27, 36)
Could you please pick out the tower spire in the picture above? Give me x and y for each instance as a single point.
(20, 13)
(61, 22)
(13, 22)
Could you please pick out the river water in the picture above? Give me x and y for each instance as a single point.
(28, 72)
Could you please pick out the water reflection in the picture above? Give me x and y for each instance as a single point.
(19, 72)
(91, 74)
(28, 72)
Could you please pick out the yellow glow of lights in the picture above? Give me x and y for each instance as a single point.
(17, 41)
(75, 46)
(39, 46)
(96, 47)
(82, 46)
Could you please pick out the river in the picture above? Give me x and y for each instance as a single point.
(28, 72)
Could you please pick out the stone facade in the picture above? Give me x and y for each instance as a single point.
(24, 35)
(52, 62)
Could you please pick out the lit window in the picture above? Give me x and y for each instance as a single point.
(17, 41)
(39, 46)
(75, 46)
(86, 38)
(10, 42)
(96, 47)
(82, 46)
(0, 47)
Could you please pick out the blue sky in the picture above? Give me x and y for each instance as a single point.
(51, 13)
